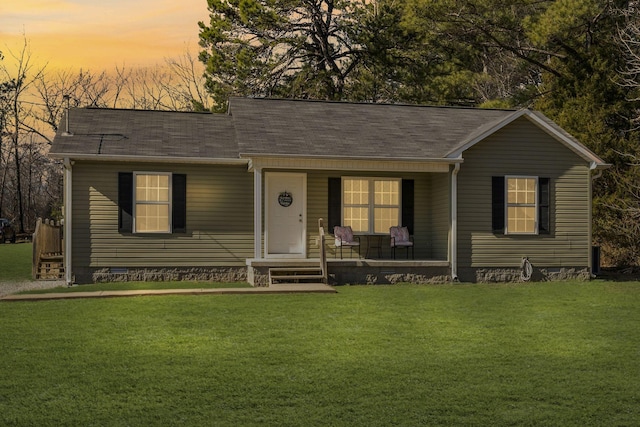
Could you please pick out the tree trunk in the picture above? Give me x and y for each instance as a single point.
(16, 152)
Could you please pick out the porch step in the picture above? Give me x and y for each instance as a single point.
(295, 275)
(52, 256)
(51, 266)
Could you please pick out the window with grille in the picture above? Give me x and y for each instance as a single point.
(152, 206)
(371, 205)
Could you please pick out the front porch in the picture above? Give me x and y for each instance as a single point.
(357, 270)
(290, 238)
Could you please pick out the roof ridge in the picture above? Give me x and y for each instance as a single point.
(141, 110)
(361, 103)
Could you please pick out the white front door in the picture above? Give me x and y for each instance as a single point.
(286, 214)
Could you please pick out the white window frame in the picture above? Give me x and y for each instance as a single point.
(507, 205)
(168, 203)
(371, 205)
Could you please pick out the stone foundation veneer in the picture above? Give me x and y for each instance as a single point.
(258, 276)
(345, 274)
(202, 274)
(510, 274)
(388, 276)
(338, 274)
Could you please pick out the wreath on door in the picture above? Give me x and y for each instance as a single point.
(285, 199)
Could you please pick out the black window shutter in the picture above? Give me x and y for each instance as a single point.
(544, 203)
(334, 212)
(497, 204)
(125, 202)
(179, 203)
(407, 204)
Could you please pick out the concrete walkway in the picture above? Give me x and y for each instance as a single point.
(273, 289)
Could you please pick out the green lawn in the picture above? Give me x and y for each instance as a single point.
(561, 354)
(15, 262)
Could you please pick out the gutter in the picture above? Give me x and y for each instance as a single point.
(68, 187)
(454, 222)
(148, 159)
(366, 158)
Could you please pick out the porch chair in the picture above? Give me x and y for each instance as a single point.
(400, 238)
(344, 237)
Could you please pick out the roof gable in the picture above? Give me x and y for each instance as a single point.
(539, 120)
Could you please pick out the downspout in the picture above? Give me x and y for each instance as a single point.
(68, 187)
(590, 231)
(257, 213)
(597, 175)
(454, 222)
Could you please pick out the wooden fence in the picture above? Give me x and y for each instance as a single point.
(47, 242)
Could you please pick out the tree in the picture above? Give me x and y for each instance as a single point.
(176, 85)
(403, 60)
(588, 100)
(16, 119)
(492, 44)
(364, 50)
(288, 48)
(4, 89)
(628, 37)
(618, 214)
(189, 87)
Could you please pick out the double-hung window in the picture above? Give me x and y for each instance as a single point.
(152, 207)
(371, 205)
(522, 208)
(152, 202)
(521, 205)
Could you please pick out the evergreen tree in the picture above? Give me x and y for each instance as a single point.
(588, 100)
(359, 50)
(289, 48)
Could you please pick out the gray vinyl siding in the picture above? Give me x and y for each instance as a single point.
(430, 212)
(219, 219)
(440, 216)
(522, 148)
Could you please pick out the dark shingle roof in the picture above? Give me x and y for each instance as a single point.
(111, 132)
(280, 127)
(318, 128)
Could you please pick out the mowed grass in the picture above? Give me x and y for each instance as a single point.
(561, 354)
(15, 262)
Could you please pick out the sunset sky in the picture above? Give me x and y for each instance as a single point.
(100, 34)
